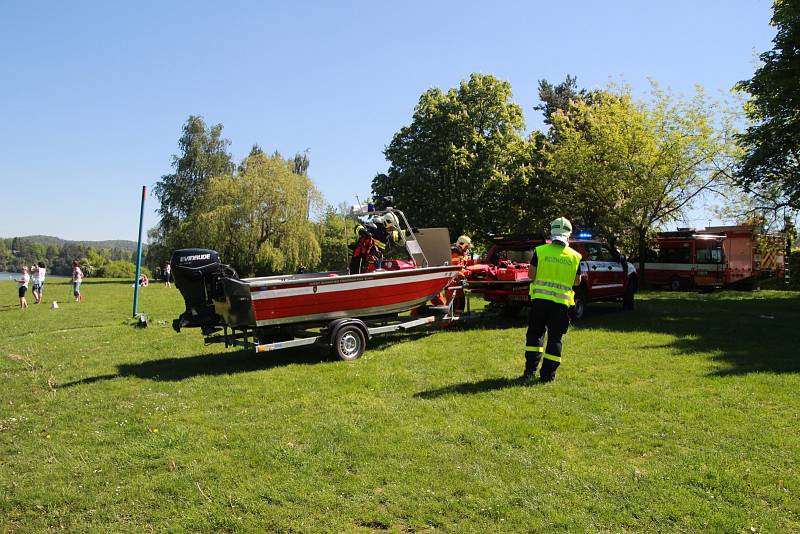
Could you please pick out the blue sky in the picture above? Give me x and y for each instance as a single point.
(93, 94)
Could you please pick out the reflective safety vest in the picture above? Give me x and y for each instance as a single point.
(556, 268)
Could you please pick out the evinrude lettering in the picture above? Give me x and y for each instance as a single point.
(195, 257)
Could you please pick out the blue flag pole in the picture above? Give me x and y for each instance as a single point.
(139, 255)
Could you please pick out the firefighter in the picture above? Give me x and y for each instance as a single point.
(553, 272)
(372, 238)
(459, 255)
(459, 251)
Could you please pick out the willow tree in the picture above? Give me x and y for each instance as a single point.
(258, 219)
(628, 167)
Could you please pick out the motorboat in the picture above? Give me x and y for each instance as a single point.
(265, 308)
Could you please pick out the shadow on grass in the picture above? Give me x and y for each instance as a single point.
(471, 388)
(222, 363)
(746, 332)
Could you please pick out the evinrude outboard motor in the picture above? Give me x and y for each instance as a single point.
(198, 275)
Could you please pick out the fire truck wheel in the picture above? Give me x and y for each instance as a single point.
(579, 309)
(675, 284)
(349, 343)
(509, 311)
(629, 298)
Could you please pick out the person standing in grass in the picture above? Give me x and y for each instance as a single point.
(553, 272)
(38, 281)
(77, 278)
(23, 281)
(167, 274)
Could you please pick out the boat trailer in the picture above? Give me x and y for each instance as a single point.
(346, 337)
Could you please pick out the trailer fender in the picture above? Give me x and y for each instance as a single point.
(338, 324)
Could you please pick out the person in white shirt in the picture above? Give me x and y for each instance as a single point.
(38, 281)
(23, 287)
(77, 278)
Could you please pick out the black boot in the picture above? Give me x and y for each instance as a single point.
(530, 367)
(548, 372)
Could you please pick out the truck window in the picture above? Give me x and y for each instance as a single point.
(598, 252)
(711, 254)
(674, 255)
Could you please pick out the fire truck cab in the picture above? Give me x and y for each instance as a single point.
(685, 259)
(502, 276)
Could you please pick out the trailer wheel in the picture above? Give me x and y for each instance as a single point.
(510, 311)
(349, 343)
(675, 283)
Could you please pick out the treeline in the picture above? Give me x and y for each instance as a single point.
(613, 164)
(58, 255)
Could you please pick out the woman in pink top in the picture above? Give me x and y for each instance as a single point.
(23, 287)
(77, 278)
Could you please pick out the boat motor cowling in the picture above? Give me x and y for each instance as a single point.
(198, 275)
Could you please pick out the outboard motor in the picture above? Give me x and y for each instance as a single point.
(198, 275)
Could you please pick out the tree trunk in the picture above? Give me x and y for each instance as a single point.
(642, 246)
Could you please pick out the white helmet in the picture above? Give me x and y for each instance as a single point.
(560, 229)
(464, 240)
(391, 219)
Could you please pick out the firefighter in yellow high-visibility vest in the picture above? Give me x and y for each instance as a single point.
(553, 272)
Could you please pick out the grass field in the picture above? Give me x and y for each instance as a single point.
(680, 416)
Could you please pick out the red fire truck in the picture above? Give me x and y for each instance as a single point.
(718, 256)
(686, 259)
(751, 254)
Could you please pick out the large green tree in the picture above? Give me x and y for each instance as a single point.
(770, 169)
(258, 219)
(461, 145)
(203, 153)
(627, 166)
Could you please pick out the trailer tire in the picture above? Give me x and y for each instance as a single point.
(349, 342)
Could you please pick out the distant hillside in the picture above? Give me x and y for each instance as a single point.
(51, 240)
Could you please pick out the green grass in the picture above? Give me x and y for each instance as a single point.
(680, 416)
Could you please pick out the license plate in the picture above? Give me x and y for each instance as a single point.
(518, 298)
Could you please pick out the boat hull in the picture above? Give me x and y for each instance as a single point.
(327, 297)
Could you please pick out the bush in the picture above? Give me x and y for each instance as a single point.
(122, 269)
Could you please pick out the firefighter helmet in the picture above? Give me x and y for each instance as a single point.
(560, 229)
(464, 240)
(391, 219)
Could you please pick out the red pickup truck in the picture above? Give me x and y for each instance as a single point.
(502, 275)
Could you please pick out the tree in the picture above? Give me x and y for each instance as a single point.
(257, 220)
(334, 234)
(770, 168)
(627, 167)
(461, 146)
(203, 154)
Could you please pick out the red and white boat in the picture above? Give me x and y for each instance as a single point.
(217, 298)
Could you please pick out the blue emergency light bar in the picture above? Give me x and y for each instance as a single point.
(584, 235)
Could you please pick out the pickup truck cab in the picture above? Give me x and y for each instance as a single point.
(502, 276)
